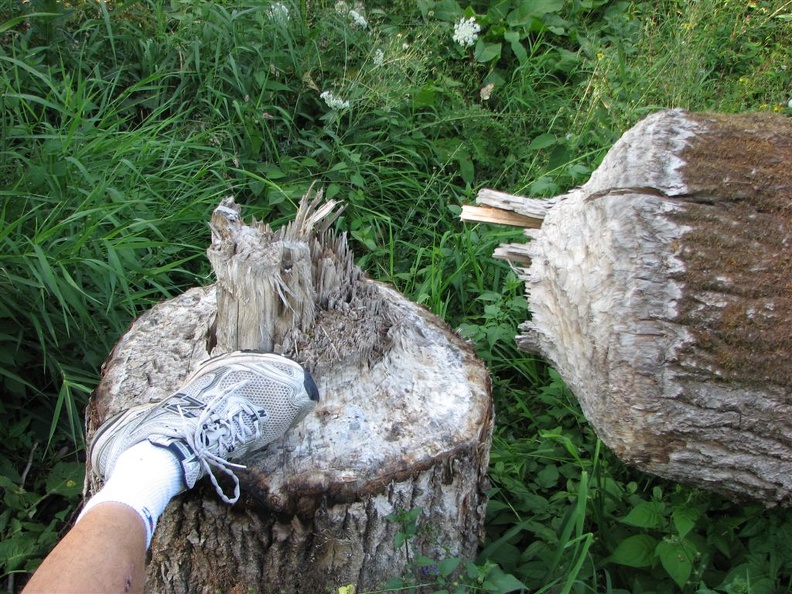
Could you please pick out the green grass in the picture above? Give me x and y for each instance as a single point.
(123, 124)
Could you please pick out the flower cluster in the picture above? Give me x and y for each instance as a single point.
(279, 13)
(356, 14)
(358, 19)
(379, 58)
(334, 102)
(466, 32)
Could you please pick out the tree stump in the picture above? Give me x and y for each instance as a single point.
(404, 421)
(661, 290)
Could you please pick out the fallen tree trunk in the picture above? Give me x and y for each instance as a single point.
(404, 421)
(661, 290)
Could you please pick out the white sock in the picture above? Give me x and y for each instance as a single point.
(146, 477)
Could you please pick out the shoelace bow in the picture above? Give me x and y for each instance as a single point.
(223, 433)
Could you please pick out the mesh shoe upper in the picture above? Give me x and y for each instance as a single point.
(229, 407)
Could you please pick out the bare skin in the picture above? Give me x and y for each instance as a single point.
(105, 553)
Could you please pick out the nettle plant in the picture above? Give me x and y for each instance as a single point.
(524, 63)
(503, 33)
(699, 541)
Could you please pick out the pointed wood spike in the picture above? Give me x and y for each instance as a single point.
(497, 216)
(533, 208)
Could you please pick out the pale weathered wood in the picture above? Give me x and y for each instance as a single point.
(533, 208)
(662, 292)
(481, 214)
(404, 421)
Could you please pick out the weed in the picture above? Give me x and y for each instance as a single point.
(124, 124)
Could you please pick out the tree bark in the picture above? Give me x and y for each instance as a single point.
(661, 290)
(404, 422)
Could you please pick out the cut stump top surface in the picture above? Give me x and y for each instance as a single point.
(399, 391)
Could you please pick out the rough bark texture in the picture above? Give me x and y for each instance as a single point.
(404, 421)
(662, 292)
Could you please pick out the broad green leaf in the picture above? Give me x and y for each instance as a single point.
(447, 566)
(425, 97)
(275, 196)
(8, 472)
(635, 551)
(753, 573)
(676, 557)
(528, 10)
(447, 10)
(513, 37)
(15, 550)
(684, 519)
(256, 187)
(270, 171)
(424, 561)
(399, 539)
(541, 142)
(487, 52)
(647, 514)
(555, 24)
(497, 582)
(471, 570)
(309, 162)
(543, 186)
(425, 6)
(66, 479)
(547, 477)
(497, 10)
(7, 484)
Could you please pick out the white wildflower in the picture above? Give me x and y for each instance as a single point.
(358, 19)
(334, 102)
(789, 104)
(379, 58)
(466, 32)
(279, 13)
(357, 13)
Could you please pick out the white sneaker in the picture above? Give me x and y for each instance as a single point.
(232, 405)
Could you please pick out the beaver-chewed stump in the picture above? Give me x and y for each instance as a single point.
(662, 292)
(404, 422)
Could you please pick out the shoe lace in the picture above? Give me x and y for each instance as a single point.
(217, 434)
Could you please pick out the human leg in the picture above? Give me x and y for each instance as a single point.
(106, 549)
(104, 553)
(231, 406)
